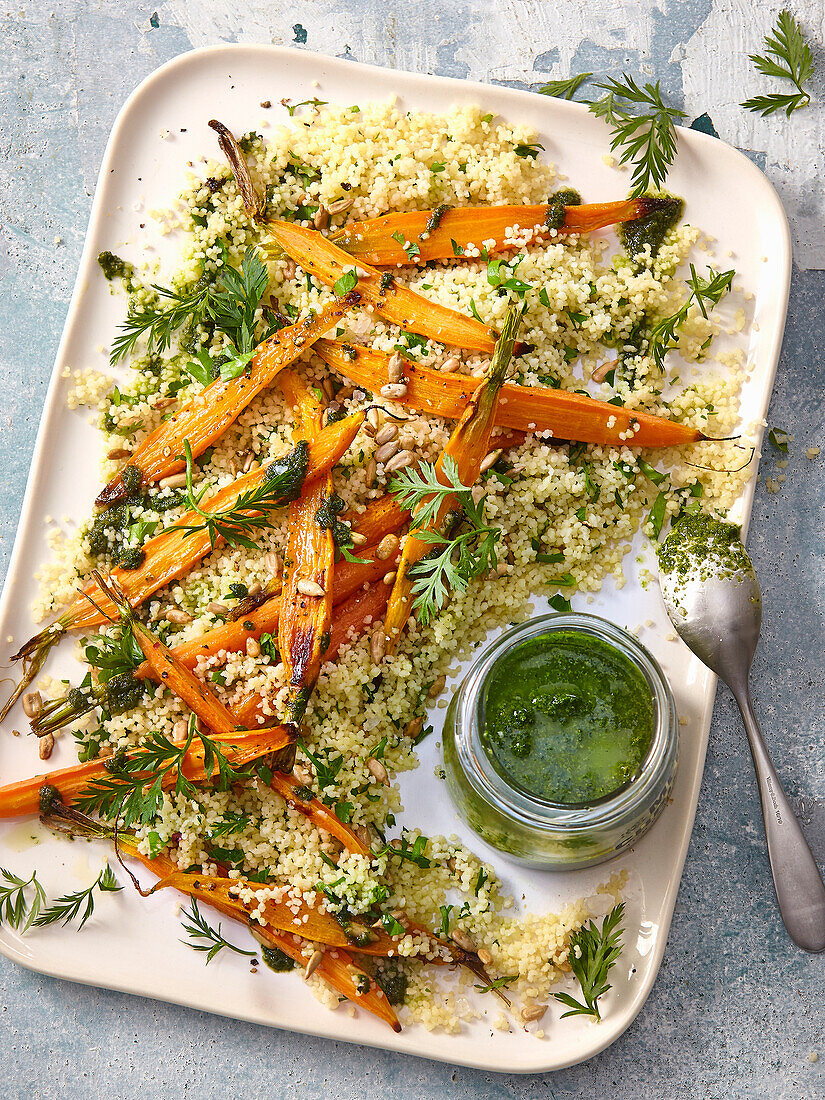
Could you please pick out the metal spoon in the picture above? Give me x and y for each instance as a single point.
(719, 618)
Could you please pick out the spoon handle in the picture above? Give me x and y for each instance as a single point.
(800, 890)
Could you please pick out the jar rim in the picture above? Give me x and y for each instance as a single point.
(532, 810)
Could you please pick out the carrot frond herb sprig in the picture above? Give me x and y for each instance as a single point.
(65, 909)
(643, 128)
(199, 929)
(250, 512)
(17, 910)
(789, 57)
(593, 954)
(465, 552)
(565, 89)
(229, 303)
(664, 335)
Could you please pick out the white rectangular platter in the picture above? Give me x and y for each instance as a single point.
(134, 945)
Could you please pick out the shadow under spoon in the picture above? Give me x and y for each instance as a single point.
(712, 596)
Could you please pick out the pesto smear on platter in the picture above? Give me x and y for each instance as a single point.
(567, 717)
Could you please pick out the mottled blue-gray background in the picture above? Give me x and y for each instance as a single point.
(736, 1011)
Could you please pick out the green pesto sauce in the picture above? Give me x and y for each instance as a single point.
(277, 960)
(704, 546)
(114, 267)
(567, 717)
(663, 214)
(555, 208)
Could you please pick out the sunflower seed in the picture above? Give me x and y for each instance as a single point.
(395, 368)
(413, 728)
(313, 964)
(387, 547)
(253, 647)
(387, 450)
(321, 218)
(310, 588)
(174, 481)
(484, 956)
(489, 461)
(394, 390)
(452, 364)
(177, 615)
(378, 645)
(378, 771)
(533, 1012)
(340, 205)
(273, 563)
(602, 371)
(216, 608)
(32, 704)
(389, 578)
(370, 473)
(386, 434)
(358, 539)
(119, 452)
(437, 686)
(465, 942)
(399, 461)
(362, 273)
(44, 749)
(374, 418)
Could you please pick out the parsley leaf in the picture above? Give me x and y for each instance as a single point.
(593, 953)
(789, 58)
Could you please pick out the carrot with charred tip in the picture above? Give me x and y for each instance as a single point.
(395, 303)
(467, 447)
(447, 232)
(306, 595)
(207, 416)
(526, 408)
(175, 551)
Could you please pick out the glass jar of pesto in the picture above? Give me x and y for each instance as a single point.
(560, 744)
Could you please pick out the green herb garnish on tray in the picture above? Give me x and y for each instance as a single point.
(789, 57)
(593, 954)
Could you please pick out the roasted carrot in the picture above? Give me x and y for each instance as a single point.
(168, 669)
(207, 416)
(359, 612)
(436, 233)
(395, 303)
(526, 408)
(241, 748)
(309, 921)
(349, 578)
(467, 447)
(174, 552)
(338, 967)
(321, 816)
(306, 596)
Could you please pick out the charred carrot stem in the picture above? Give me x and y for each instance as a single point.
(241, 748)
(525, 408)
(207, 416)
(168, 669)
(395, 303)
(171, 554)
(467, 447)
(444, 234)
(306, 595)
